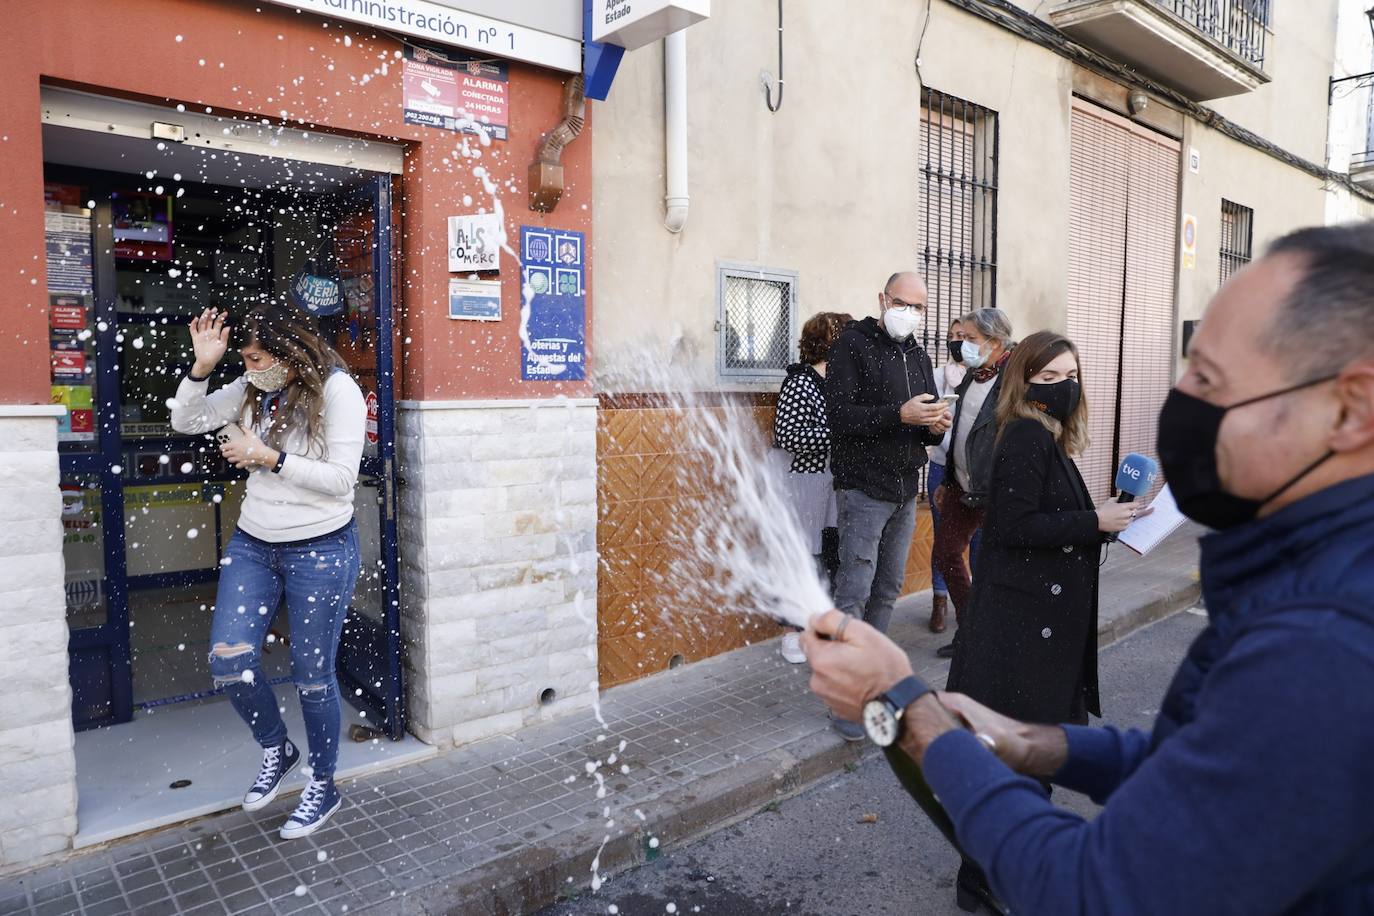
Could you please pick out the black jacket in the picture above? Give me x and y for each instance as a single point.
(981, 445)
(869, 376)
(1028, 645)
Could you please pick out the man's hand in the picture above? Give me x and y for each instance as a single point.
(924, 410)
(1032, 750)
(249, 452)
(848, 673)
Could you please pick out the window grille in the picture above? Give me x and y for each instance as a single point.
(958, 211)
(1237, 236)
(756, 321)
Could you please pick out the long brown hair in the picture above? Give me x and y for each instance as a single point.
(820, 333)
(294, 338)
(1030, 356)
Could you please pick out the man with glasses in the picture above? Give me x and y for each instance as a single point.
(880, 394)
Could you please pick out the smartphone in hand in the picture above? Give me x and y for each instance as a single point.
(229, 434)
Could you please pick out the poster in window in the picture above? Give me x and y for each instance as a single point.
(142, 225)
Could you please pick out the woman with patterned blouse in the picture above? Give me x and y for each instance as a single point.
(800, 429)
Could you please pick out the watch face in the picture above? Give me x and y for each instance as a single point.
(880, 723)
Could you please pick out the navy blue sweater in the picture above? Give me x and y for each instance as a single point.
(1254, 793)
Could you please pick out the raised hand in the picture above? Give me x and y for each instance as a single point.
(210, 340)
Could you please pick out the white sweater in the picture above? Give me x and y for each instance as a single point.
(313, 493)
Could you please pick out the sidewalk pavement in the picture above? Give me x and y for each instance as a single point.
(511, 824)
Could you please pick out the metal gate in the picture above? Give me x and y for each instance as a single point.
(1123, 188)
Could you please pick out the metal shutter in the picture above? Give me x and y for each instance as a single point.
(1097, 268)
(1123, 189)
(1151, 252)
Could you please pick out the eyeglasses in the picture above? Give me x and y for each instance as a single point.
(902, 306)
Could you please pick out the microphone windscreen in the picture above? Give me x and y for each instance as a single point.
(1137, 474)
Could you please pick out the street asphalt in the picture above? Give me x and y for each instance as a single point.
(856, 843)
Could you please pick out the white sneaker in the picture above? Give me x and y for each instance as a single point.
(791, 649)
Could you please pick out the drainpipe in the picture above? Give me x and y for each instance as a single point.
(675, 130)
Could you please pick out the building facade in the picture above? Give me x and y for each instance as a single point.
(395, 157)
(432, 170)
(1093, 168)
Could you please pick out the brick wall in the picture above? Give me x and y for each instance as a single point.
(498, 563)
(36, 742)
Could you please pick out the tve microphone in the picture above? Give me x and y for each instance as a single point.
(1136, 476)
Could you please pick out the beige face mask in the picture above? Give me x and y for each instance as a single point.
(273, 378)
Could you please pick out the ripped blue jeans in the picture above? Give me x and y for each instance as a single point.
(317, 577)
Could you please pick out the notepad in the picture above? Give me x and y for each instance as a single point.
(1144, 534)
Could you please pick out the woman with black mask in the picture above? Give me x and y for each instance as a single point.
(1030, 647)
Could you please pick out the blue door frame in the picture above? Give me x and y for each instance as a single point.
(100, 665)
(369, 661)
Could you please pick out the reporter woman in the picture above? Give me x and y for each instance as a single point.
(297, 422)
(1029, 650)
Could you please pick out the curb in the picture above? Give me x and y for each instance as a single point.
(1167, 604)
(535, 877)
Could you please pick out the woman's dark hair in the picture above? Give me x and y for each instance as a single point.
(820, 333)
(1030, 356)
(293, 337)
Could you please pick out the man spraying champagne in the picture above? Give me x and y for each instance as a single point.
(1252, 793)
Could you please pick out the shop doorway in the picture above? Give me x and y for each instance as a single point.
(142, 235)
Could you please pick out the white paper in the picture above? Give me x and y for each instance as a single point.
(1144, 534)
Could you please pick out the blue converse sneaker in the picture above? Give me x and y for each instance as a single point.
(318, 803)
(276, 763)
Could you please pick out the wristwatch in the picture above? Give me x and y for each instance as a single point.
(883, 715)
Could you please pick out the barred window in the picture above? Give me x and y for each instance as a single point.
(958, 210)
(1237, 235)
(756, 321)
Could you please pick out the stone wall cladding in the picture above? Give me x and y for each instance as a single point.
(37, 752)
(498, 564)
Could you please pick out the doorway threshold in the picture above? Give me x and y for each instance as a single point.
(124, 773)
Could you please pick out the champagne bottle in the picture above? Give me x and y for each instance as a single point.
(913, 780)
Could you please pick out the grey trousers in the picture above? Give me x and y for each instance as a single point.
(875, 538)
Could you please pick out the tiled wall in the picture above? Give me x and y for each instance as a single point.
(648, 484)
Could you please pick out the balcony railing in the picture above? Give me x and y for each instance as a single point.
(1240, 26)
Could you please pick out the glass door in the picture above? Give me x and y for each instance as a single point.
(85, 379)
(369, 662)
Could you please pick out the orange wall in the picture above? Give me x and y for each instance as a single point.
(264, 60)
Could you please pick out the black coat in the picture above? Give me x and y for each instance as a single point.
(1028, 644)
(869, 376)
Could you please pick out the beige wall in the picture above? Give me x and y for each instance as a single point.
(825, 186)
(1282, 197)
(829, 185)
(1291, 109)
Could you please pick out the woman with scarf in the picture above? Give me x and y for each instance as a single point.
(960, 500)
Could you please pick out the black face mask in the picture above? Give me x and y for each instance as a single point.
(1058, 399)
(1187, 444)
(956, 350)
